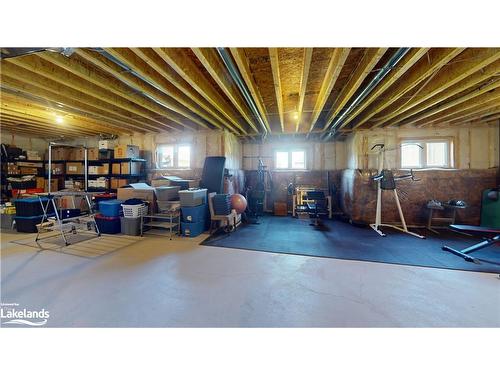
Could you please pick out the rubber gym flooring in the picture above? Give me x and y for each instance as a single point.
(337, 239)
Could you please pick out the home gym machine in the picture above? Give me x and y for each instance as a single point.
(387, 181)
(491, 237)
(256, 195)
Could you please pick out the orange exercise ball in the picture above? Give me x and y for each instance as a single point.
(238, 203)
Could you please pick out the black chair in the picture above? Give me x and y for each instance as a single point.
(316, 206)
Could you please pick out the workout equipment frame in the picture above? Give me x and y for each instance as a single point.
(378, 215)
(464, 253)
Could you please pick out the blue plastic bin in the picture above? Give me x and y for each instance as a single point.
(192, 229)
(108, 225)
(111, 208)
(27, 224)
(27, 207)
(194, 214)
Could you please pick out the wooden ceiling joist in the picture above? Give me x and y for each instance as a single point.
(156, 87)
(168, 109)
(31, 109)
(423, 70)
(371, 57)
(484, 113)
(147, 62)
(87, 117)
(478, 96)
(474, 106)
(337, 60)
(18, 127)
(215, 67)
(402, 67)
(46, 126)
(30, 83)
(306, 65)
(189, 71)
(474, 66)
(275, 66)
(244, 68)
(36, 65)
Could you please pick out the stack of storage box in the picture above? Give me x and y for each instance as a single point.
(221, 204)
(108, 219)
(29, 213)
(194, 211)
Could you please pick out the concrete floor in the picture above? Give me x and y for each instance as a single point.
(154, 282)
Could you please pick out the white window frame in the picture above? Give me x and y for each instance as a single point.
(290, 151)
(176, 155)
(450, 162)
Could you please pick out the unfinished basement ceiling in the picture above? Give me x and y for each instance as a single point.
(318, 92)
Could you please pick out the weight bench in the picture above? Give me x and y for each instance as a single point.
(492, 236)
(316, 206)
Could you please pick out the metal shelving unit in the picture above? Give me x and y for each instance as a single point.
(169, 221)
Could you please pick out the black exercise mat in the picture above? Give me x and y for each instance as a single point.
(344, 241)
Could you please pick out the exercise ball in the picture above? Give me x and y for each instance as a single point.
(238, 203)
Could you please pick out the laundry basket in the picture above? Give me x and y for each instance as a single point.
(134, 210)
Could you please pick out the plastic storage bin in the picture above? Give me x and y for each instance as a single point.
(27, 224)
(108, 225)
(194, 197)
(112, 207)
(192, 229)
(167, 193)
(131, 226)
(194, 214)
(27, 207)
(221, 204)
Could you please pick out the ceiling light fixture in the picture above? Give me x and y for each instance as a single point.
(59, 119)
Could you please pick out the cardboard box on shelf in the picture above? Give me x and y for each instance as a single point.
(104, 145)
(77, 154)
(12, 168)
(100, 182)
(61, 153)
(115, 168)
(40, 183)
(54, 184)
(131, 167)
(93, 153)
(33, 155)
(117, 183)
(74, 168)
(126, 151)
(27, 170)
(56, 168)
(104, 168)
(93, 169)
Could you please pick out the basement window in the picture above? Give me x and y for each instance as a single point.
(426, 153)
(293, 159)
(173, 156)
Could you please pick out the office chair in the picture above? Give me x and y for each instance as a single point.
(316, 206)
